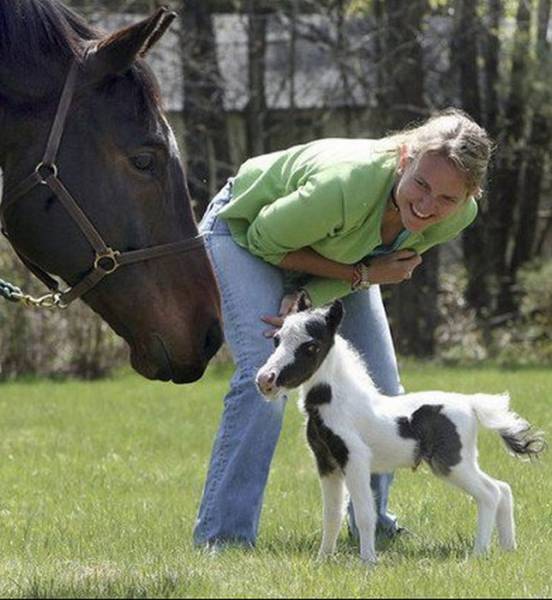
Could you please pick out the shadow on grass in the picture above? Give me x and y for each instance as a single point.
(437, 551)
(403, 547)
(291, 544)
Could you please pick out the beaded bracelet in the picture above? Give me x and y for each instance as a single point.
(360, 280)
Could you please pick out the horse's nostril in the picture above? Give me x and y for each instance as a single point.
(271, 377)
(213, 340)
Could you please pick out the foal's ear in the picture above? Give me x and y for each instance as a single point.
(303, 302)
(115, 54)
(334, 315)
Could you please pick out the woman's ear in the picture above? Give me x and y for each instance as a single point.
(404, 158)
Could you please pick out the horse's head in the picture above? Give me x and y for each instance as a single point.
(119, 160)
(301, 346)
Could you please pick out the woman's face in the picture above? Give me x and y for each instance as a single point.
(429, 190)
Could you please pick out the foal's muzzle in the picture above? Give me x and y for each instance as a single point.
(266, 382)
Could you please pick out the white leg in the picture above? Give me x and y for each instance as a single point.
(333, 496)
(505, 517)
(487, 494)
(357, 478)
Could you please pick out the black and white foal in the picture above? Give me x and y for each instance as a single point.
(354, 431)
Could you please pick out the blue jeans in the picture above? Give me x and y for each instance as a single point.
(250, 287)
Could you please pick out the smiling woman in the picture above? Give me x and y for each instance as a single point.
(429, 190)
(321, 221)
(441, 166)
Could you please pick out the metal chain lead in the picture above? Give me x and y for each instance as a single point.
(14, 294)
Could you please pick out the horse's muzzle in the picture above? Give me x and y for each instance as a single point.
(155, 359)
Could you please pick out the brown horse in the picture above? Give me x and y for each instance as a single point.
(117, 158)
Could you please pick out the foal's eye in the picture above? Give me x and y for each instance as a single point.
(312, 348)
(276, 341)
(143, 161)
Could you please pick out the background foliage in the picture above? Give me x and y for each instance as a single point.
(392, 62)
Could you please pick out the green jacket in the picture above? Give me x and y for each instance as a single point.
(330, 195)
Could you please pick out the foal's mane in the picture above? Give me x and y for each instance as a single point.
(31, 29)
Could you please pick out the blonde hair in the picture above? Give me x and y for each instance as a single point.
(454, 135)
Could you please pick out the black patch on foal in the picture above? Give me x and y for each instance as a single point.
(305, 363)
(328, 448)
(318, 329)
(437, 437)
(317, 395)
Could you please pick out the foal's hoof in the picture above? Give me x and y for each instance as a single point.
(369, 561)
(324, 556)
(508, 545)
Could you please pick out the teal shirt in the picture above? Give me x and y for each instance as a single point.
(329, 194)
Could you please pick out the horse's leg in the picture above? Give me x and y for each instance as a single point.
(486, 492)
(357, 478)
(505, 517)
(333, 495)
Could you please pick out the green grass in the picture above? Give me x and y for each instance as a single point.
(100, 482)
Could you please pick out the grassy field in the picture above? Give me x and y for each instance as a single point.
(99, 486)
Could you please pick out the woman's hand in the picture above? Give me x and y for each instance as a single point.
(287, 306)
(393, 268)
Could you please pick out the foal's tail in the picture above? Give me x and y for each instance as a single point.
(518, 434)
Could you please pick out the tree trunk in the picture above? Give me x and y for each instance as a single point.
(414, 314)
(206, 139)
(464, 58)
(292, 59)
(491, 52)
(479, 292)
(379, 55)
(256, 113)
(538, 148)
(465, 53)
(503, 203)
(342, 56)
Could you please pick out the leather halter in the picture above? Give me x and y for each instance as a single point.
(106, 260)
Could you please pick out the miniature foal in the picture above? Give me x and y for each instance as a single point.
(354, 431)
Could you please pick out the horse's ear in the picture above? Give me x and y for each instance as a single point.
(334, 315)
(168, 18)
(116, 53)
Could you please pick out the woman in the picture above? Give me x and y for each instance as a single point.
(333, 218)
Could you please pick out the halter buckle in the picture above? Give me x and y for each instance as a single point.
(110, 257)
(51, 170)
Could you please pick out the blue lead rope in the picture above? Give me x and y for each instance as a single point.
(9, 291)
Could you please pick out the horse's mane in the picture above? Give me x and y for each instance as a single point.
(31, 29)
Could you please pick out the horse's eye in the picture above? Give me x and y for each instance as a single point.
(276, 341)
(313, 348)
(143, 162)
